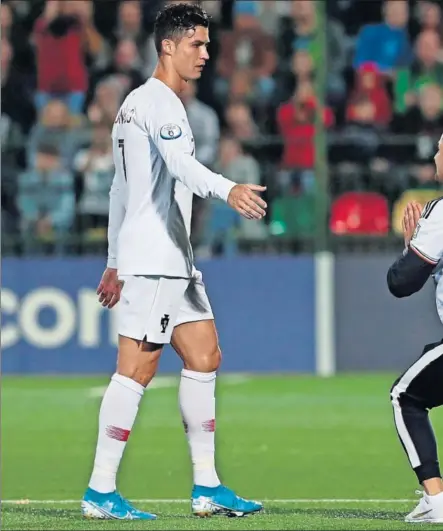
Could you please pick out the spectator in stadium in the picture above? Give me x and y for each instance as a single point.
(240, 122)
(130, 27)
(16, 102)
(270, 13)
(361, 134)
(430, 16)
(371, 84)
(206, 131)
(299, 32)
(425, 117)
(360, 149)
(11, 144)
(5, 20)
(302, 69)
(55, 127)
(64, 35)
(95, 167)
(241, 168)
(424, 121)
(93, 42)
(386, 44)
(213, 9)
(249, 47)
(11, 147)
(296, 125)
(241, 88)
(425, 69)
(220, 229)
(46, 201)
(204, 124)
(108, 96)
(126, 67)
(14, 31)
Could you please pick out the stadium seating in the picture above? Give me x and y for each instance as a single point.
(293, 216)
(362, 213)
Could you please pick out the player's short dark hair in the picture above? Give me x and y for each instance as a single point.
(175, 20)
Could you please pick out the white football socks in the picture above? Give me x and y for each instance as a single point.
(197, 406)
(117, 415)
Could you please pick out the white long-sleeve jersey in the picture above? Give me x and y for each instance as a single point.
(427, 242)
(156, 176)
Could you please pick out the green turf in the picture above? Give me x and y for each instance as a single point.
(280, 437)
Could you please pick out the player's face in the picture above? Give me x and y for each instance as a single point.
(191, 53)
(439, 161)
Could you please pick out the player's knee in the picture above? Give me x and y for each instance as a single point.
(404, 401)
(394, 396)
(207, 361)
(138, 360)
(395, 392)
(213, 360)
(142, 376)
(141, 373)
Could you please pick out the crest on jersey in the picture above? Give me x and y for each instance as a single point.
(170, 132)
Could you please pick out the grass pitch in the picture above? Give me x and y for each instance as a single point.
(323, 454)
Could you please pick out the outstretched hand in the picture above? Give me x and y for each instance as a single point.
(244, 199)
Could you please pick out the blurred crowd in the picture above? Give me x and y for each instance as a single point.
(67, 65)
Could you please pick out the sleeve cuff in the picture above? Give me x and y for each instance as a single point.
(112, 263)
(223, 188)
(425, 257)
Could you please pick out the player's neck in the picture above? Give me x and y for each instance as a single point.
(169, 77)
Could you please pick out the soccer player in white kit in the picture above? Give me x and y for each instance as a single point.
(420, 388)
(151, 269)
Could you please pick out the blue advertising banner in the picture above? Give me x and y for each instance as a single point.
(53, 323)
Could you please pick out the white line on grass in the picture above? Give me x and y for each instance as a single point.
(153, 501)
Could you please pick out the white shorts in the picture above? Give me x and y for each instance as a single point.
(151, 306)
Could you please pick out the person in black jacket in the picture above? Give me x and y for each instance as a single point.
(420, 388)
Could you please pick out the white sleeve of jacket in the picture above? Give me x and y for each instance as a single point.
(117, 211)
(178, 154)
(427, 240)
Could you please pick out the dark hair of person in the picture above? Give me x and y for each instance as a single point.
(175, 20)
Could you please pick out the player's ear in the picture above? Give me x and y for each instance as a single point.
(168, 46)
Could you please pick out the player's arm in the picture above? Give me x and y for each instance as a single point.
(408, 274)
(117, 211)
(173, 146)
(109, 287)
(424, 249)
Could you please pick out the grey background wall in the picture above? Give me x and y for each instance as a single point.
(264, 308)
(374, 330)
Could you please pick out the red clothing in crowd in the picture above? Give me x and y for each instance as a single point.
(60, 59)
(298, 131)
(370, 86)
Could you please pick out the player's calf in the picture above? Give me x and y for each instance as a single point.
(412, 396)
(119, 410)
